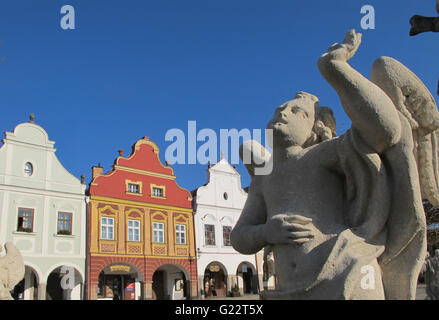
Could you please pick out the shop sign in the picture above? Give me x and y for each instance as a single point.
(120, 268)
(214, 268)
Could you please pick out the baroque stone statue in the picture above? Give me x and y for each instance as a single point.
(11, 270)
(343, 215)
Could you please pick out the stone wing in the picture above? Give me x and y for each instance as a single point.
(12, 266)
(412, 98)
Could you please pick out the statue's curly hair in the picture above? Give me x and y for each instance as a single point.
(324, 123)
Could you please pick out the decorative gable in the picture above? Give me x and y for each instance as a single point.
(143, 169)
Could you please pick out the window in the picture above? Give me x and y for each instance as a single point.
(180, 233)
(226, 196)
(158, 230)
(25, 220)
(209, 234)
(133, 230)
(226, 236)
(133, 188)
(28, 169)
(157, 192)
(107, 228)
(64, 223)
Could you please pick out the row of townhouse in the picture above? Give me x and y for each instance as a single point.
(132, 234)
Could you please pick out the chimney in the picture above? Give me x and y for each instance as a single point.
(97, 171)
(120, 153)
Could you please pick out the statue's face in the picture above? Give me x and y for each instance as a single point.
(293, 122)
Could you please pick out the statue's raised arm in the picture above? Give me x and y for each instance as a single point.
(394, 115)
(373, 115)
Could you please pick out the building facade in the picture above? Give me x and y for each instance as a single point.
(218, 205)
(141, 230)
(42, 211)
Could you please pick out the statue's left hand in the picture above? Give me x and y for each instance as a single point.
(288, 229)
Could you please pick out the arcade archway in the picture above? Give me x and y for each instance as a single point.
(27, 289)
(171, 282)
(215, 280)
(120, 281)
(64, 283)
(247, 278)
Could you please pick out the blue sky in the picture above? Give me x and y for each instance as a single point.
(139, 68)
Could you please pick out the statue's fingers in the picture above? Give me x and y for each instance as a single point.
(298, 219)
(297, 227)
(350, 35)
(298, 241)
(300, 235)
(334, 47)
(352, 40)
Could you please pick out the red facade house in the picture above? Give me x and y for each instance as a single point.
(141, 233)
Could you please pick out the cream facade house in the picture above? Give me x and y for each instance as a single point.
(218, 205)
(43, 212)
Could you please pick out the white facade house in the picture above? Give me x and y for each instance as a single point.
(218, 205)
(42, 211)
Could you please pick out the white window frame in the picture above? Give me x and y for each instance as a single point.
(57, 221)
(18, 216)
(133, 226)
(224, 239)
(106, 226)
(133, 188)
(180, 234)
(161, 192)
(214, 235)
(158, 229)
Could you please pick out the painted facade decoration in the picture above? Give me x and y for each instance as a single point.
(42, 212)
(218, 204)
(141, 232)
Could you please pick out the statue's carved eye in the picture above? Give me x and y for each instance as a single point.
(303, 113)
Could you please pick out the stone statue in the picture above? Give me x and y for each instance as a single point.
(11, 270)
(268, 264)
(344, 215)
(432, 276)
(422, 24)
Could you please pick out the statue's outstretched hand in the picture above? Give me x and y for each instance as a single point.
(288, 229)
(344, 51)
